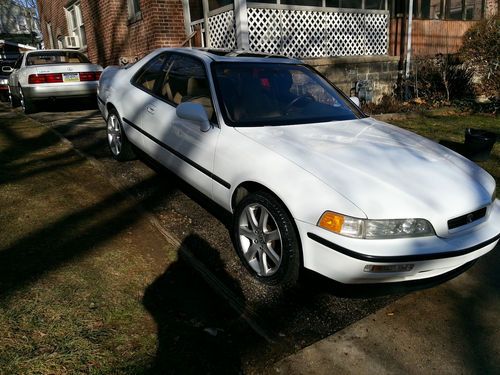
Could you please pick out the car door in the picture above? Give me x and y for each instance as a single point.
(136, 100)
(179, 143)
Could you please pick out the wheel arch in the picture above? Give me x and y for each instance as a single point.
(110, 106)
(248, 187)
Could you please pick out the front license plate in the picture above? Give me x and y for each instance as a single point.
(71, 77)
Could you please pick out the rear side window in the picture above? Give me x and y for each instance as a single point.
(147, 77)
(56, 57)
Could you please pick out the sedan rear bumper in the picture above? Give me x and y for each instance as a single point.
(356, 261)
(63, 90)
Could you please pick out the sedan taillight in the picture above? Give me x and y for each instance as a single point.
(90, 76)
(45, 78)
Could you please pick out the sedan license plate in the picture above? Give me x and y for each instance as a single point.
(71, 77)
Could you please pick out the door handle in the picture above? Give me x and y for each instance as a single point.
(150, 109)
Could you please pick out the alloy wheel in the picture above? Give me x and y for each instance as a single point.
(260, 239)
(114, 134)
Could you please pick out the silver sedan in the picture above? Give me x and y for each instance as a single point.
(51, 74)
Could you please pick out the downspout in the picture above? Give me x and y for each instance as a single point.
(408, 45)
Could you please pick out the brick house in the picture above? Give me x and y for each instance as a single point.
(354, 42)
(112, 31)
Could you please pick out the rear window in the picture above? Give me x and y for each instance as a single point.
(56, 57)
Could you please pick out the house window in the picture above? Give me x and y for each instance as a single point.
(215, 4)
(196, 9)
(134, 10)
(442, 9)
(75, 23)
(352, 4)
(375, 4)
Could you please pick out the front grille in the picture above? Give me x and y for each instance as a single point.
(466, 219)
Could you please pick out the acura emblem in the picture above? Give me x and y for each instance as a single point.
(470, 218)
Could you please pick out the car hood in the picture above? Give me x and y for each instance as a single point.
(384, 170)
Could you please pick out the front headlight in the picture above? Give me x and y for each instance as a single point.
(375, 229)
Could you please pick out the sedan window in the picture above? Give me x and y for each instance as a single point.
(56, 57)
(254, 94)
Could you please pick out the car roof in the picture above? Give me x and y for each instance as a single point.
(228, 55)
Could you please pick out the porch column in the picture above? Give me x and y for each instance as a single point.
(187, 17)
(207, 24)
(241, 21)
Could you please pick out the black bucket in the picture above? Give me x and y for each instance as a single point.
(478, 144)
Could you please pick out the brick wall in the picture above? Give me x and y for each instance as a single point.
(110, 36)
(380, 71)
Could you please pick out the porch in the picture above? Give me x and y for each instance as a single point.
(296, 28)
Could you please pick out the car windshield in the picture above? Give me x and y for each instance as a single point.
(56, 57)
(270, 94)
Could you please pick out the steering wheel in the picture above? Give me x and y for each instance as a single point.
(305, 98)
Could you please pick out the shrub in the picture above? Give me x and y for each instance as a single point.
(481, 52)
(441, 78)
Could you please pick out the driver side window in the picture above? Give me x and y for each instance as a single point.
(185, 80)
(303, 85)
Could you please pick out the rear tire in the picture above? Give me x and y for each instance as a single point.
(266, 239)
(119, 145)
(14, 102)
(26, 103)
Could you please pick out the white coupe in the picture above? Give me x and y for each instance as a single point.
(310, 180)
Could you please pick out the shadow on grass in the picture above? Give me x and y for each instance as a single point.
(198, 333)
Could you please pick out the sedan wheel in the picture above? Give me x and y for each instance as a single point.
(14, 102)
(26, 103)
(266, 240)
(117, 140)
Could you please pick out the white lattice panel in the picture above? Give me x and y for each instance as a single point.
(264, 30)
(345, 34)
(377, 38)
(222, 30)
(301, 33)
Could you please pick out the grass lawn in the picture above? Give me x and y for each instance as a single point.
(440, 125)
(85, 285)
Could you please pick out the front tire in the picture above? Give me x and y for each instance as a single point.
(266, 239)
(119, 145)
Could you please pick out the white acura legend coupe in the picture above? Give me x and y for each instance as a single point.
(309, 179)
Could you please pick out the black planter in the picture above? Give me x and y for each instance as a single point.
(478, 144)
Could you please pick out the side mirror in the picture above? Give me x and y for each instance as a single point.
(7, 69)
(194, 112)
(355, 100)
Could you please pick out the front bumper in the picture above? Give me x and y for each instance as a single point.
(345, 259)
(62, 90)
